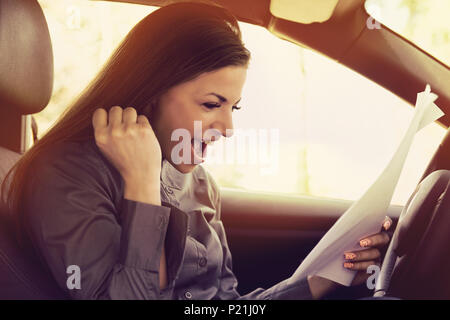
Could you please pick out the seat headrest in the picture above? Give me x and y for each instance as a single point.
(26, 57)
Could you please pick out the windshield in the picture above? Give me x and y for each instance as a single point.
(423, 22)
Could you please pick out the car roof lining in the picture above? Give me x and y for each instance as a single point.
(346, 39)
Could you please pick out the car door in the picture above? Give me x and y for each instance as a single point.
(269, 235)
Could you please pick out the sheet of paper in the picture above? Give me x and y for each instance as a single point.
(365, 216)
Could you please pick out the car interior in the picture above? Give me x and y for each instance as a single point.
(272, 230)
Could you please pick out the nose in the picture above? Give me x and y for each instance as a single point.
(224, 124)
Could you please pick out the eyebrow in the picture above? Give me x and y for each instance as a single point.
(221, 98)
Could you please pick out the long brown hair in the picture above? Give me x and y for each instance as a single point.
(173, 44)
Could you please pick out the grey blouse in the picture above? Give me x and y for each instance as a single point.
(75, 214)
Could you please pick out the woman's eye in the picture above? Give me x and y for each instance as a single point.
(216, 105)
(211, 105)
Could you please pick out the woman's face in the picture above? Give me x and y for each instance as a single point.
(210, 98)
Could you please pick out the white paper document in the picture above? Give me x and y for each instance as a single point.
(365, 216)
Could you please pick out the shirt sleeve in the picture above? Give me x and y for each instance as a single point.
(72, 220)
(287, 289)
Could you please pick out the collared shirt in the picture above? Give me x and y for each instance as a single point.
(75, 215)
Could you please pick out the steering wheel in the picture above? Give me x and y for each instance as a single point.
(417, 261)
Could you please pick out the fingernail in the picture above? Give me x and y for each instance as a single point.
(365, 243)
(386, 225)
(349, 256)
(348, 265)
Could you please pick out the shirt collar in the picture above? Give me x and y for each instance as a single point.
(171, 177)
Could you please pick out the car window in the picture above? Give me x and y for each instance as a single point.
(423, 22)
(307, 125)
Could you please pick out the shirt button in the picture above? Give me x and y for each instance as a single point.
(188, 295)
(202, 262)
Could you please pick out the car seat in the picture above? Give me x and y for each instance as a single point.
(26, 81)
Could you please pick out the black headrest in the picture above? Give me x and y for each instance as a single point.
(26, 57)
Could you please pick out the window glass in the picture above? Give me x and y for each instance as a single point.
(423, 22)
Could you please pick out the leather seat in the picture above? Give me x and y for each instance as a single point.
(26, 81)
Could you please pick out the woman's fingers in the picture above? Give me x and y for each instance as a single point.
(143, 121)
(115, 116)
(387, 223)
(130, 146)
(363, 255)
(129, 116)
(360, 266)
(361, 260)
(377, 240)
(100, 119)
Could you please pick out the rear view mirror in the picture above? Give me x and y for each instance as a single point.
(303, 11)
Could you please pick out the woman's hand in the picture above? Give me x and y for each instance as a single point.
(129, 143)
(361, 260)
(358, 260)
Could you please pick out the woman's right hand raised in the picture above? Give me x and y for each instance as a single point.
(129, 143)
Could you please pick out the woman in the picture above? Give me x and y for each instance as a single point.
(107, 192)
